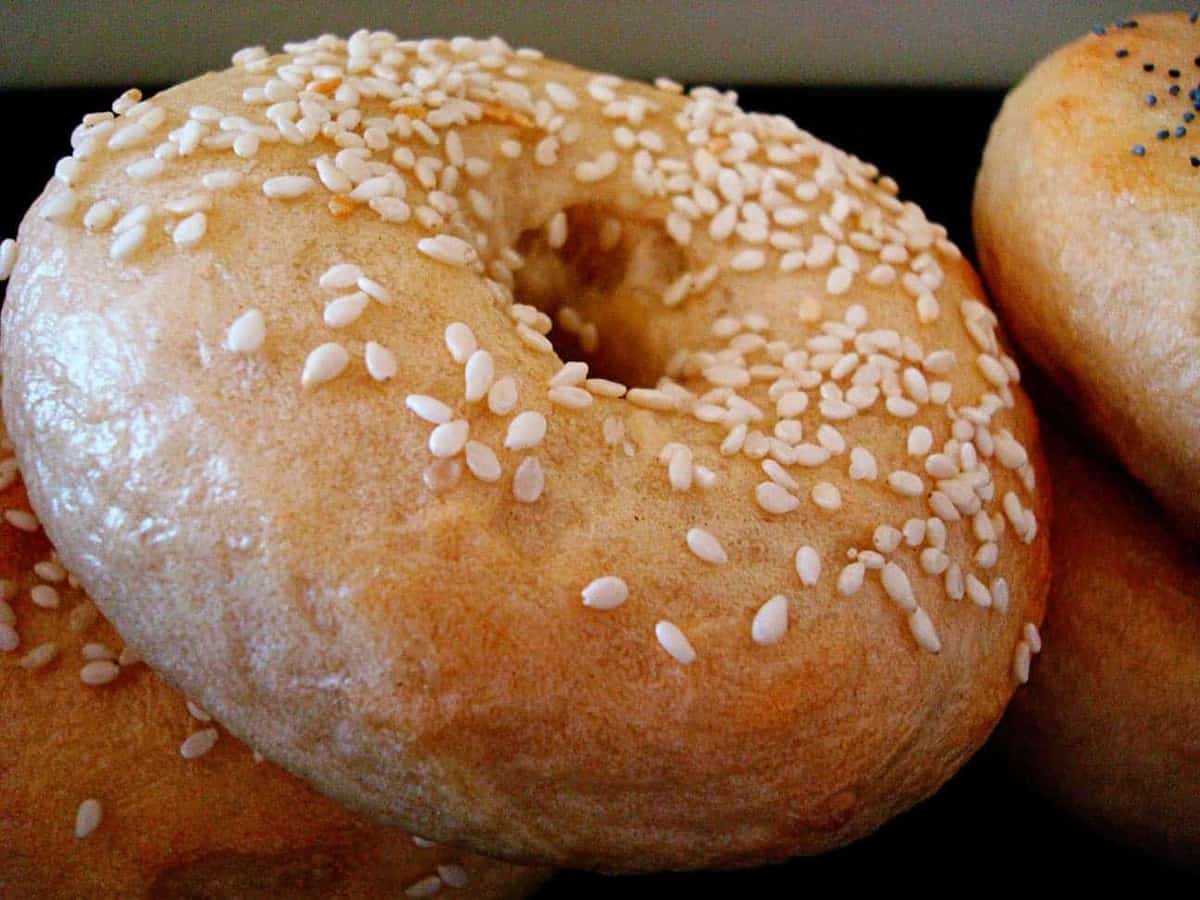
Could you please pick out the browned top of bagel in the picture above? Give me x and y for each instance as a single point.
(410, 634)
(1086, 219)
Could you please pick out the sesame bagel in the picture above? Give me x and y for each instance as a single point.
(1110, 722)
(115, 786)
(1086, 220)
(747, 553)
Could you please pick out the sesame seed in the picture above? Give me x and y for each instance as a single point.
(606, 592)
(674, 642)
(221, 180)
(448, 439)
(478, 375)
(9, 639)
(1000, 597)
(502, 397)
(99, 672)
(128, 242)
(923, 630)
(706, 546)
(446, 248)
(39, 656)
(428, 408)
(288, 187)
(862, 465)
(380, 361)
(145, 169)
(1022, 658)
(977, 592)
(88, 817)
(529, 480)
(650, 398)
(460, 341)
(886, 538)
(426, 887)
(826, 496)
(44, 596)
(1032, 636)
(453, 875)
(130, 136)
(323, 364)
(775, 499)
(920, 441)
(482, 461)
(196, 712)
(771, 621)
(21, 519)
(198, 743)
(556, 230)
(441, 475)
(850, 579)
(8, 258)
(898, 587)
(570, 396)
(58, 205)
(906, 483)
(190, 231)
(572, 373)
(525, 430)
(95, 650)
(82, 617)
(749, 260)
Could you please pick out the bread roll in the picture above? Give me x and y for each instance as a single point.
(296, 426)
(1109, 723)
(1086, 223)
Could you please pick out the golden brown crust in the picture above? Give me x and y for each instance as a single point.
(427, 658)
(1110, 721)
(219, 826)
(1089, 249)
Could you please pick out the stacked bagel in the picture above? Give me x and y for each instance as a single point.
(573, 470)
(1086, 219)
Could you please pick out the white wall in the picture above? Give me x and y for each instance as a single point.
(56, 42)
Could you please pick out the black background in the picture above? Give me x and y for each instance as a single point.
(985, 830)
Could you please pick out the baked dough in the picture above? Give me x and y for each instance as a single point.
(213, 825)
(750, 596)
(1110, 721)
(1086, 222)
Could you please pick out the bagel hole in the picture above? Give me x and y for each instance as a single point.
(602, 289)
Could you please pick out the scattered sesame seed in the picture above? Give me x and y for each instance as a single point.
(502, 397)
(850, 579)
(380, 361)
(426, 887)
(906, 483)
(1138, 150)
(529, 480)
(323, 364)
(525, 430)
(339, 277)
(88, 817)
(606, 592)
(190, 231)
(45, 596)
(428, 408)
(449, 438)
(128, 242)
(198, 743)
(706, 546)
(288, 187)
(1022, 657)
(39, 656)
(570, 397)
(8, 258)
(460, 341)
(478, 375)
(826, 496)
(771, 621)
(923, 630)
(21, 519)
(446, 248)
(453, 875)
(9, 639)
(221, 180)
(675, 642)
(898, 587)
(99, 672)
(862, 465)
(775, 499)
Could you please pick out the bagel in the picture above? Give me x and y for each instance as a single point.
(686, 591)
(1085, 220)
(1110, 722)
(110, 789)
